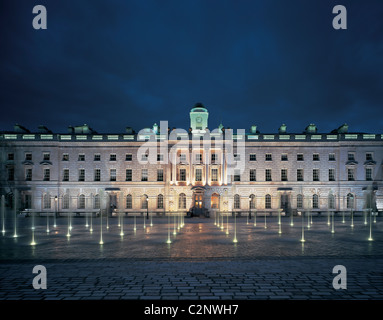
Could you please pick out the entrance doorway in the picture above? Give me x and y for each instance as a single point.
(285, 203)
(198, 201)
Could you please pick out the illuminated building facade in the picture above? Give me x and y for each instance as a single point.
(197, 171)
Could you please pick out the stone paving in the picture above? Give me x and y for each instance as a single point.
(262, 265)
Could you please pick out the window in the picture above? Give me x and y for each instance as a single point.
(284, 174)
(350, 201)
(350, 174)
(237, 157)
(369, 174)
(253, 175)
(267, 201)
(237, 175)
(81, 157)
(11, 156)
(112, 157)
(331, 201)
(46, 156)
(129, 203)
(65, 174)
(369, 156)
(28, 156)
(299, 201)
(160, 157)
(113, 175)
(160, 174)
(97, 174)
(144, 174)
(182, 175)
(65, 204)
(214, 174)
(198, 157)
(237, 201)
(47, 201)
(253, 157)
(300, 157)
(128, 157)
(315, 174)
(284, 157)
(198, 174)
(214, 157)
(28, 174)
(128, 175)
(11, 174)
(160, 201)
(144, 157)
(331, 174)
(268, 175)
(81, 175)
(81, 202)
(65, 157)
(331, 157)
(96, 202)
(97, 157)
(183, 157)
(268, 157)
(299, 174)
(316, 157)
(182, 201)
(351, 156)
(315, 201)
(47, 174)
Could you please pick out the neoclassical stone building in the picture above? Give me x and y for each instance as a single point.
(160, 170)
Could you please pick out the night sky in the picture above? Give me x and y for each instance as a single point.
(113, 64)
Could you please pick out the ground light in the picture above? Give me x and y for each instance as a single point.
(122, 225)
(303, 227)
(33, 243)
(169, 240)
(101, 241)
(370, 237)
(3, 213)
(235, 228)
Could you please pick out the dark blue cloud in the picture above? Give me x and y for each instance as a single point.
(112, 64)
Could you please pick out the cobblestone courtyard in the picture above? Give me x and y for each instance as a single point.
(201, 262)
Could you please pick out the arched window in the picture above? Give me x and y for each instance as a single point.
(160, 201)
(315, 201)
(237, 201)
(144, 201)
(81, 202)
(65, 204)
(331, 201)
(267, 201)
(47, 201)
(129, 204)
(182, 201)
(252, 201)
(299, 201)
(96, 202)
(350, 201)
(215, 201)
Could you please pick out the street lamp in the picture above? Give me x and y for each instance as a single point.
(56, 209)
(147, 207)
(352, 206)
(250, 207)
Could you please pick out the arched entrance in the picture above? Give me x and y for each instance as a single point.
(198, 204)
(215, 201)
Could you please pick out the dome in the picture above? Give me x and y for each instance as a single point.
(198, 107)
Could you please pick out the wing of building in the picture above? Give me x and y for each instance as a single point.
(196, 171)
